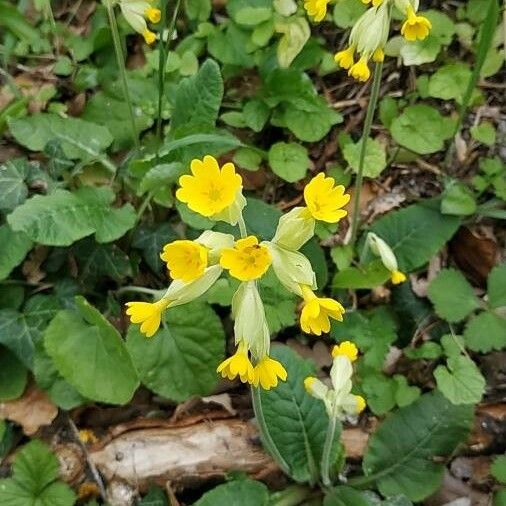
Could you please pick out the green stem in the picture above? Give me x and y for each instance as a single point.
(122, 70)
(265, 435)
(162, 61)
(327, 447)
(242, 227)
(293, 495)
(371, 108)
(138, 289)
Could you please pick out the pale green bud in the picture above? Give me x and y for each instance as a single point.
(215, 242)
(402, 5)
(380, 248)
(294, 229)
(292, 268)
(233, 212)
(371, 30)
(133, 12)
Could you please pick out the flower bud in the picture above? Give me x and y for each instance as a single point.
(380, 248)
(295, 228)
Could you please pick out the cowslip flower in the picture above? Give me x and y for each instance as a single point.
(317, 311)
(416, 26)
(238, 365)
(212, 191)
(324, 202)
(317, 9)
(338, 400)
(346, 349)
(148, 314)
(187, 260)
(247, 260)
(380, 248)
(136, 12)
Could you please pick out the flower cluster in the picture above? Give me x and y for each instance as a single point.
(338, 400)
(370, 33)
(194, 266)
(136, 13)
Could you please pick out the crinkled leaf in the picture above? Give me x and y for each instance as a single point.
(496, 284)
(14, 247)
(13, 189)
(486, 332)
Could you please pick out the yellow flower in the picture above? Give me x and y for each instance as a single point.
(397, 277)
(308, 383)
(360, 71)
(347, 349)
(345, 58)
(246, 261)
(149, 36)
(210, 190)
(361, 404)
(316, 8)
(415, 26)
(314, 318)
(378, 55)
(324, 200)
(238, 365)
(154, 15)
(148, 314)
(87, 436)
(267, 372)
(186, 260)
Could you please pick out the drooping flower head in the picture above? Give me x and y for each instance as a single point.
(317, 9)
(317, 311)
(347, 349)
(247, 260)
(267, 373)
(416, 26)
(148, 314)
(186, 260)
(325, 200)
(212, 191)
(380, 248)
(136, 12)
(238, 365)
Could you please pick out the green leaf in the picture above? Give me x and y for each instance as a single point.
(82, 213)
(289, 161)
(496, 284)
(12, 183)
(366, 276)
(461, 382)
(236, 493)
(14, 247)
(375, 157)
(280, 305)
(181, 359)
(418, 52)
(151, 240)
(13, 375)
(296, 422)
(79, 139)
(428, 350)
(498, 468)
(347, 12)
(486, 332)
(197, 100)
(379, 391)
(450, 81)
(415, 233)
(165, 174)
(400, 454)
(155, 497)
(405, 393)
(458, 200)
(35, 470)
(295, 33)
(453, 297)
(420, 128)
(484, 133)
(84, 336)
(256, 113)
(345, 496)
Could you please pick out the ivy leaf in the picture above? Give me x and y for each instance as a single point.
(453, 297)
(496, 286)
(296, 422)
(82, 213)
(84, 336)
(35, 471)
(181, 359)
(14, 247)
(461, 382)
(486, 332)
(400, 454)
(416, 233)
(12, 183)
(236, 493)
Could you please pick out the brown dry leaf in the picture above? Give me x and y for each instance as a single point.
(253, 180)
(32, 411)
(223, 400)
(31, 267)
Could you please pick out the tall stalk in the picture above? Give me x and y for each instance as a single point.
(327, 447)
(371, 108)
(122, 70)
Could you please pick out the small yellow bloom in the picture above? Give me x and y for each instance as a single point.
(415, 26)
(347, 349)
(267, 372)
(149, 36)
(345, 58)
(246, 261)
(397, 277)
(308, 383)
(87, 436)
(324, 200)
(378, 55)
(361, 404)
(238, 365)
(148, 314)
(186, 260)
(360, 71)
(154, 15)
(314, 318)
(317, 9)
(210, 190)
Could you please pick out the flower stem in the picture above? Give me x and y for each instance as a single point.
(122, 70)
(327, 447)
(242, 226)
(265, 435)
(139, 289)
(371, 108)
